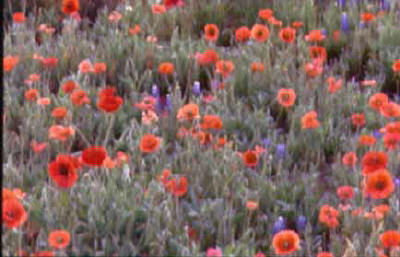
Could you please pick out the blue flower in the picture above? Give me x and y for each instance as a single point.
(345, 22)
(266, 142)
(341, 3)
(301, 223)
(280, 150)
(279, 225)
(196, 90)
(377, 134)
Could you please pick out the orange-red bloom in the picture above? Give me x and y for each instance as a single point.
(13, 213)
(378, 185)
(149, 143)
(259, 33)
(367, 17)
(99, 67)
(366, 140)
(373, 161)
(250, 158)
(378, 100)
(59, 239)
(328, 216)
(69, 86)
(135, 30)
(396, 66)
(286, 242)
(179, 188)
(358, 119)
(287, 35)
(63, 171)
(257, 66)
(70, 6)
(390, 238)
(60, 132)
(349, 159)
(391, 140)
(224, 67)
(286, 97)
(38, 147)
(108, 101)
(318, 52)
(211, 122)
(188, 112)
(242, 34)
(325, 254)
(166, 68)
(173, 3)
(158, 8)
(211, 32)
(390, 109)
(265, 14)
(315, 36)
(31, 94)
(79, 98)
(18, 17)
(309, 120)
(314, 68)
(43, 254)
(210, 56)
(59, 112)
(333, 85)
(94, 156)
(49, 62)
(297, 24)
(9, 62)
(345, 192)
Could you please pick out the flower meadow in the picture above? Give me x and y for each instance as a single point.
(201, 128)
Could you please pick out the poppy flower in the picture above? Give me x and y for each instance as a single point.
(7, 194)
(149, 117)
(173, 3)
(380, 211)
(210, 56)
(390, 109)
(63, 171)
(94, 156)
(135, 30)
(286, 97)
(259, 33)
(85, 66)
(60, 132)
(396, 66)
(333, 84)
(180, 188)
(257, 66)
(315, 36)
(22, 253)
(318, 52)
(368, 83)
(325, 254)
(336, 35)
(9, 62)
(358, 119)
(38, 147)
(390, 238)
(114, 16)
(378, 185)
(345, 192)
(378, 100)
(242, 34)
(99, 67)
(287, 35)
(13, 213)
(204, 137)
(149, 143)
(251, 205)
(391, 140)
(79, 98)
(211, 122)
(349, 159)
(43, 101)
(43, 254)
(70, 6)
(392, 127)
(265, 14)
(158, 9)
(275, 22)
(328, 216)
(310, 121)
(366, 140)
(108, 101)
(31, 94)
(250, 158)
(59, 239)
(59, 112)
(286, 242)
(297, 24)
(49, 62)
(166, 68)
(211, 32)
(224, 67)
(314, 68)
(69, 86)
(373, 161)
(367, 17)
(188, 112)
(214, 252)
(19, 17)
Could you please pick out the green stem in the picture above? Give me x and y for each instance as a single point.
(112, 119)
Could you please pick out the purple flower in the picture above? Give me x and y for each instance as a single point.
(154, 91)
(301, 223)
(196, 90)
(266, 142)
(341, 3)
(280, 150)
(279, 225)
(377, 134)
(385, 5)
(345, 22)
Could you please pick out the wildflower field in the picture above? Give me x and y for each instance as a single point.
(201, 128)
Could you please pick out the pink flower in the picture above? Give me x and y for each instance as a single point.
(214, 252)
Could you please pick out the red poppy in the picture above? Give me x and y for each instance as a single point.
(31, 94)
(366, 140)
(166, 68)
(70, 6)
(38, 147)
(396, 66)
(149, 143)
(373, 161)
(390, 238)
(260, 33)
(318, 52)
(286, 97)
(94, 156)
(310, 121)
(173, 3)
(69, 86)
(287, 35)
(328, 216)
(349, 159)
(315, 36)
(210, 56)
(378, 185)
(63, 171)
(345, 192)
(79, 98)
(99, 67)
(265, 14)
(59, 239)
(377, 100)
(59, 112)
(242, 34)
(49, 62)
(250, 158)
(224, 67)
(325, 254)
(334, 85)
(211, 122)
(367, 17)
(108, 101)
(9, 62)
(211, 32)
(358, 119)
(391, 140)
(13, 213)
(43, 254)
(286, 242)
(18, 17)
